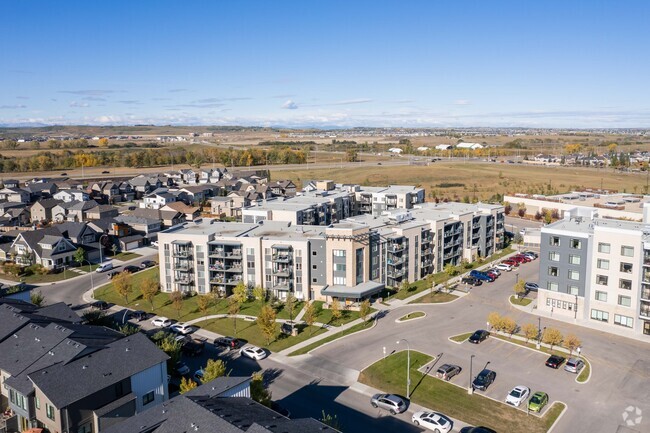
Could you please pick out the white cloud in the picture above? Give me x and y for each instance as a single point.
(290, 105)
(461, 102)
(79, 104)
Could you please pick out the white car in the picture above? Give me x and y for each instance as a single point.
(154, 244)
(517, 395)
(433, 421)
(161, 322)
(253, 352)
(181, 328)
(504, 267)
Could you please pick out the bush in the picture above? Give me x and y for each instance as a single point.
(37, 269)
(12, 269)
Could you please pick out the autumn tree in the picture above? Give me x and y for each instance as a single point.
(233, 311)
(259, 293)
(176, 298)
(103, 142)
(149, 288)
(259, 391)
(123, 285)
(530, 331)
(203, 302)
(572, 342)
(508, 325)
(364, 309)
(213, 369)
(520, 288)
(494, 319)
(352, 155)
(552, 337)
(240, 292)
(310, 315)
(187, 385)
(266, 322)
(335, 308)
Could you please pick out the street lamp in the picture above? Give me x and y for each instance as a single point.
(539, 331)
(92, 283)
(470, 390)
(516, 277)
(408, 366)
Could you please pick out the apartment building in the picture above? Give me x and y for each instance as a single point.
(352, 259)
(597, 272)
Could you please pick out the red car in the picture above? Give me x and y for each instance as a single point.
(493, 274)
(511, 262)
(517, 259)
(526, 259)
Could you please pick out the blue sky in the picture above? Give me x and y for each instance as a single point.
(326, 63)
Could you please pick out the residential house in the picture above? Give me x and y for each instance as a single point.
(169, 218)
(190, 212)
(60, 211)
(189, 176)
(112, 192)
(285, 188)
(143, 184)
(157, 199)
(41, 190)
(42, 210)
(14, 195)
(46, 247)
(10, 183)
(199, 193)
(70, 195)
(79, 233)
(102, 211)
(18, 216)
(142, 225)
(78, 211)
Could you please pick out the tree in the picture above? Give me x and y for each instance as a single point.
(259, 293)
(509, 325)
(123, 285)
(548, 216)
(266, 322)
(290, 306)
(259, 391)
(233, 311)
(521, 210)
(103, 142)
(507, 207)
(213, 369)
(330, 420)
(240, 292)
(352, 155)
(364, 309)
(167, 344)
(520, 288)
(552, 337)
(128, 329)
(494, 319)
(450, 270)
(530, 331)
(37, 298)
(335, 307)
(572, 342)
(80, 255)
(187, 384)
(404, 287)
(203, 302)
(114, 249)
(176, 298)
(149, 288)
(310, 315)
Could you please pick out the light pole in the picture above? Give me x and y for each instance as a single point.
(101, 260)
(470, 390)
(516, 277)
(539, 331)
(92, 283)
(408, 366)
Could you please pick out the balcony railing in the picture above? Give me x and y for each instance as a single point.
(284, 258)
(395, 248)
(396, 273)
(645, 294)
(395, 261)
(182, 253)
(183, 280)
(644, 311)
(282, 272)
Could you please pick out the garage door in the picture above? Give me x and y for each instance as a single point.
(131, 246)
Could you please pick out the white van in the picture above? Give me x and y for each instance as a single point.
(106, 266)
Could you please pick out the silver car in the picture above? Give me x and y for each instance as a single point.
(390, 402)
(574, 365)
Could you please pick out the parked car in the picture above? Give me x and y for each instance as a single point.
(523, 257)
(131, 269)
(481, 276)
(517, 395)
(471, 281)
(511, 263)
(390, 402)
(504, 267)
(182, 328)
(435, 421)
(494, 271)
(531, 287)
(100, 305)
(161, 322)
(105, 172)
(229, 343)
(518, 259)
(479, 336)
(253, 352)
(193, 347)
(198, 375)
(469, 429)
(110, 275)
(154, 244)
(574, 365)
(532, 254)
(181, 368)
(103, 267)
(494, 275)
(147, 264)
(63, 174)
(484, 379)
(447, 371)
(138, 315)
(554, 361)
(537, 401)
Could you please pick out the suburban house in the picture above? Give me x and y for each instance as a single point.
(168, 218)
(15, 195)
(16, 216)
(143, 184)
(198, 193)
(190, 212)
(112, 192)
(284, 188)
(78, 232)
(10, 183)
(101, 212)
(78, 211)
(157, 199)
(46, 247)
(140, 225)
(228, 206)
(42, 210)
(70, 195)
(41, 190)
(60, 211)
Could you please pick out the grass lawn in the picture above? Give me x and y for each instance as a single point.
(461, 337)
(584, 374)
(250, 332)
(51, 278)
(389, 375)
(324, 315)
(125, 256)
(351, 330)
(413, 315)
(434, 298)
(520, 301)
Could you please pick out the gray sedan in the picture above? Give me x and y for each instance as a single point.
(390, 402)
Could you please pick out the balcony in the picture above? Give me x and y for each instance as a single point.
(644, 310)
(225, 254)
(397, 273)
(395, 261)
(282, 258)
(183, 267)
(427, 251)
(183, 279)
(182, 253)
(282, 272)
(396, 248)
(645, 294)
(236, 269)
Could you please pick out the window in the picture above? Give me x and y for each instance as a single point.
(313, 253)
(37, 401)
(250, 251)
(625, 301)
(552, 271)
(298, 266)
(574, 275)
(338, 253)
(601, 296)
(268, 278)
(601, 279)
(552, 286)
(147, 398)
(554, 241)
(603, 316)
(623, 320)
(572, 290)
(626, 267)
(298, 280)
(625, 284)
(340, 281)
(574, 260)
(49, 411)
(250, 264)
(576, 244)
(554, 256)
(627, 251)
(314, 267)
(340, 267)
(314, 280)
(602, 264)
(603, 248)
(267, 251)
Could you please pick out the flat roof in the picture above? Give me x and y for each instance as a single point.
(355, 292)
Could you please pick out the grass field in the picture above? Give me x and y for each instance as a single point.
(126, 256)
(520, 301)
(413, 315)
(434, 298)
(324, 315)
(461, 337)
(389, 375)
(351, 330)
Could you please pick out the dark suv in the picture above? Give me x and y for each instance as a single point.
(484, 379)
(229, 343)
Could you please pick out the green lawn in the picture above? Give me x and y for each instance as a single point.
(461, 337)
(250, 332)
(413, 315)
(51, 278)
(351, 330)
(520, 301)
(324, 315)
(126, 256)
(389, 375)
(584, 374)
(434, 298)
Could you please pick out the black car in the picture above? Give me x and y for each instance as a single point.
(138, 315)
(105, 172)
(229, 343)
(131, 269)
(469, 429)
(147, 264)
(479, 336)
(193, 347)
(554, 361)
(63, 174)
(100, 305)
(484, 379)
(471, 281)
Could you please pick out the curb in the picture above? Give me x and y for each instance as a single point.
(401, 320)
(336, 339)
(559, 417)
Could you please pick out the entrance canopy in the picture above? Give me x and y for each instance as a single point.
(360, 291)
